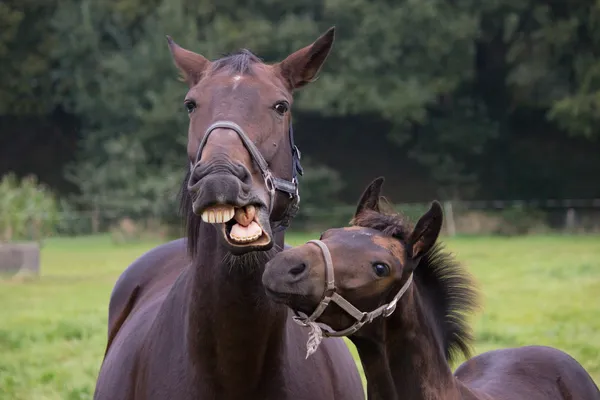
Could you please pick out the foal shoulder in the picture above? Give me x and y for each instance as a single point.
(514, 361)
(528, 369)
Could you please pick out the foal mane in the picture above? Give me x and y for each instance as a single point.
(447, 283)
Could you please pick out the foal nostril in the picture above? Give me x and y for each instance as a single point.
(298, 269)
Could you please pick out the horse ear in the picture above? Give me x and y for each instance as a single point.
(302, 67)
(426, 232)
(191, 65)
(370, 197)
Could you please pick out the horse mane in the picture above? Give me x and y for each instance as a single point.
(191, 221)
(239, 62)
(446, 283)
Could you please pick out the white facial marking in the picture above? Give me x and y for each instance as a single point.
(236, 80)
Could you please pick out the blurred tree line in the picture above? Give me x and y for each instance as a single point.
(455, 99)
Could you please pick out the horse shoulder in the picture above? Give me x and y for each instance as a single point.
(135, 278)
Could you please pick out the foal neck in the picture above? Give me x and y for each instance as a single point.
(235, 333)
(403, 356)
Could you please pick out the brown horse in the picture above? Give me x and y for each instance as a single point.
(198, 324)
(406, 355)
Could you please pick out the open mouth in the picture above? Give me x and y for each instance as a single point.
(240, 224)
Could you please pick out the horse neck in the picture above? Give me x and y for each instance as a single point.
(403, 356)
(234, 332)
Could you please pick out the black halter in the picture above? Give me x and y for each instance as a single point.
(297, 170)
(272, 183)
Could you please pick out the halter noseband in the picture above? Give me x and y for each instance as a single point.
(272, 183)
(329, 295)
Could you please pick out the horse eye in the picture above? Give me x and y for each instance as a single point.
(190, 106)
(381, 269)
(281, 107)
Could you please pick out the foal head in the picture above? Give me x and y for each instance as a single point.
(243, 162)
(373, 261)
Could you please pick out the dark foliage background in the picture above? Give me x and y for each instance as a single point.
(454, 99)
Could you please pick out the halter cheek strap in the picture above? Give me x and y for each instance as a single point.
(294, 205)
(361, 318)
(272, 183)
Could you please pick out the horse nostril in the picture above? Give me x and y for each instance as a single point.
(193, 179)
(243, 174)
(298, 269)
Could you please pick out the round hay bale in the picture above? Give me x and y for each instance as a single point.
(19, 259)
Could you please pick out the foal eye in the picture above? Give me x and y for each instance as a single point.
(381, 269)
(282, 107)
(190, 106)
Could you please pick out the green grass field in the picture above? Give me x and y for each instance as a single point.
(537, 290)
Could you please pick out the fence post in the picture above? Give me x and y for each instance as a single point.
(449, 214)
(570, 220)
(95, 220)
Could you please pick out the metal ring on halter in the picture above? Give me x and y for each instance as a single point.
(270, 186)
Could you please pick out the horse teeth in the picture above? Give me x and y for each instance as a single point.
(218, 214)
(225, 214)
(245, 239)
(245, 234)
(205, 216)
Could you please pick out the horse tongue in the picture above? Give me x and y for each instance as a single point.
(245, 215)
(245, 229)
(248, 233)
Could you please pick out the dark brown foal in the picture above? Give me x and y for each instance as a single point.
(417, 297)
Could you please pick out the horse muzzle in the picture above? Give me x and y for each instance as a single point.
(235, 208)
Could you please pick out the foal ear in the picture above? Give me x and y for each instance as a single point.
(370, 197)
(426, 231)
(302, 67)
(191, 65)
